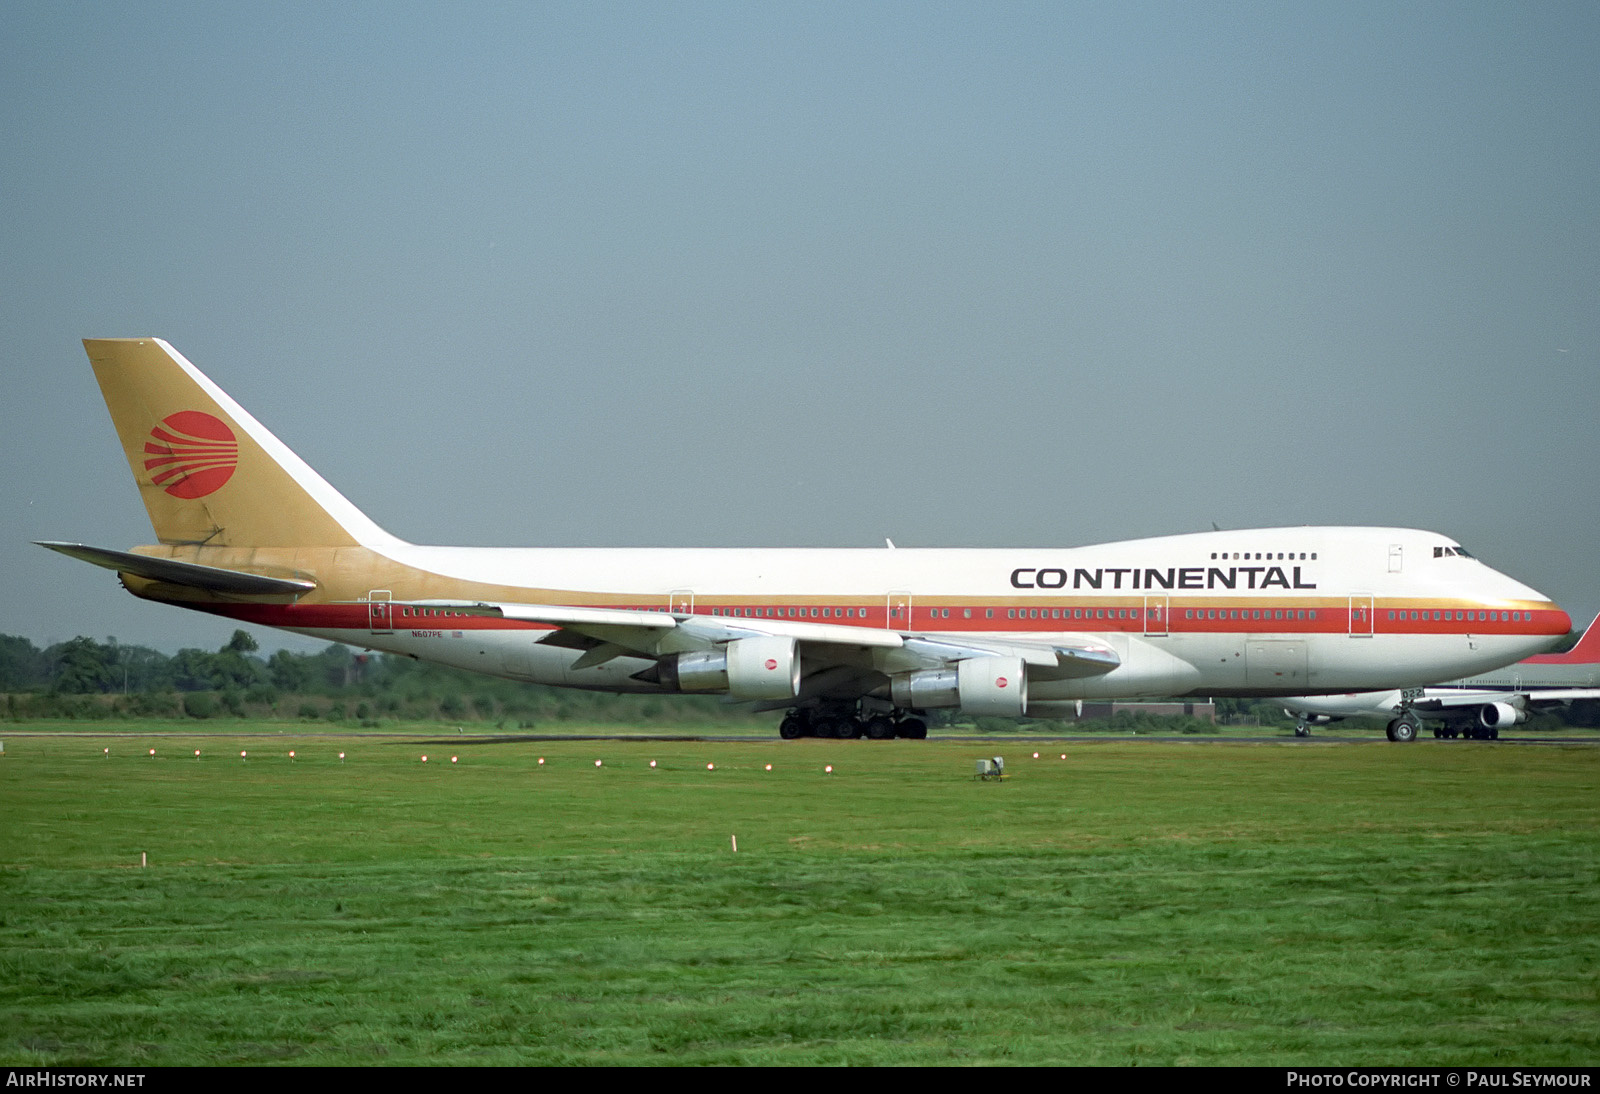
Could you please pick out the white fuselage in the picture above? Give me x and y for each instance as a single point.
(1270, 612)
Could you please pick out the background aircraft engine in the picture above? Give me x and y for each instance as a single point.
(764, 668)
(1496, 715)
(748, 668)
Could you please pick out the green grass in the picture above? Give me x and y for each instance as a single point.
(1136, 903)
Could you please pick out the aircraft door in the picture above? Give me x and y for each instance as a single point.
(1275, 664)
(681, 602)
(380, 611)
(898, 614)
(1155, 616)
(1360, 615)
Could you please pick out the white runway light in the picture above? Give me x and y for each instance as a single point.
(597, 763)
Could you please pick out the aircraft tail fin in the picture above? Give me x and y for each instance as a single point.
(1587, 651)
(208, 472)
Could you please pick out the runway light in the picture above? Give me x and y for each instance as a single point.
(1063, 755)
(541, 761)
(152, 752)
(424, 759)
(1036, 755)
(652, 763)
(769, 767)
(711, 767)
(291, 754)
(597, 763)
(108, 752)
(242, 754)
(341, 757)
(452, 759)
(828, 770)
(197, 753)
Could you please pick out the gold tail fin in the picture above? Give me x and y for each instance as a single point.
(208, 472)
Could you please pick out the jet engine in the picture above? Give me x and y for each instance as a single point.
(996, 686)
(1497, 715)
(747, 668)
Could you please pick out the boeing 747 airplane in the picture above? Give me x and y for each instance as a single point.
(849, 642)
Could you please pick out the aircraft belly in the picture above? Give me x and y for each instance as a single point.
(1150, 666)
(1378, 662)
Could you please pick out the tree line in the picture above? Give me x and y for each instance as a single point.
(84, 678)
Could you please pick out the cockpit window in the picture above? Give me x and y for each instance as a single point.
(1444, 552)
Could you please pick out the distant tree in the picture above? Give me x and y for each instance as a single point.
(81, 666)
(22, 664)
(289, 671)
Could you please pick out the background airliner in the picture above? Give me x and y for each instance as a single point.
(1478, 706)
(850, 642)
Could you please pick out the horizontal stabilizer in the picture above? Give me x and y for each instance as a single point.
(192, 574)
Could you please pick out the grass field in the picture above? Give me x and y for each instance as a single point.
(1166, 903)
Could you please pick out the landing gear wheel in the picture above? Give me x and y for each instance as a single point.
(880, 728)
(1302, 730)
(914, 729)
(841, 729)
(791, 728)
(1402, 730)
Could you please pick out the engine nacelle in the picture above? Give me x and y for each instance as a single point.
(747, 668)
(1498, 715)
(764, 668)
(996, 686)
(925, 690)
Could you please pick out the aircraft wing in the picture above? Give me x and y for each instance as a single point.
(1435, 699)
(605, 633)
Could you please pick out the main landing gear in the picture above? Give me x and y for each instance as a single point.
(846, 722)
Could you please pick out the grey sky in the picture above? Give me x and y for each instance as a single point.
(755, 274)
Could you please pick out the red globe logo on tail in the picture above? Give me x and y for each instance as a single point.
(191, 454)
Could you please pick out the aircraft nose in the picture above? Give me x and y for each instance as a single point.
(1563, 619)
